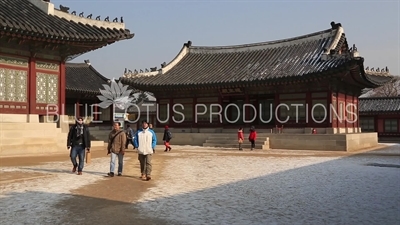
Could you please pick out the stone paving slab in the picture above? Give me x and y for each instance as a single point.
(194, 185)
(13, 176)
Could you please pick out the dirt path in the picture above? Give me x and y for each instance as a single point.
(111, 201)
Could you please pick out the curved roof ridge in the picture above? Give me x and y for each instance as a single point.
(256, 44)
(372, 98)
(99, 74)
(72, 64)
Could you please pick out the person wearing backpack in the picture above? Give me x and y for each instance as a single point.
(167, 138)
(116, 147)
(130, 133)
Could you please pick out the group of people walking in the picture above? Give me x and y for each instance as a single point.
(144, 141)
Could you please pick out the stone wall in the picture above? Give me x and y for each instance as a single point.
(326, 142)
(196, 139)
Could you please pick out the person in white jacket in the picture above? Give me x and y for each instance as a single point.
(145, 142)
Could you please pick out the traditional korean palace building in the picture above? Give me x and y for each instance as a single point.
(36, 40)
(318, 68)
(381, 115)
(83, 85)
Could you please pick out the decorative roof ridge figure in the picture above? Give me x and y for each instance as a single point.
(63, 12)
(377, 71)
(152, 72)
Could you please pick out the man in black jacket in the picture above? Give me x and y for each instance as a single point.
(78, 140)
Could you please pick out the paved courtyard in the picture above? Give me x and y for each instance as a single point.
(194, 185)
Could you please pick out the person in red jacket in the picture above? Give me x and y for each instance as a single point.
(240, 138)
(253, 137)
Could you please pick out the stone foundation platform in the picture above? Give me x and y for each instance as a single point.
(25, 135)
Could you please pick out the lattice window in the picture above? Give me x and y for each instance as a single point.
(13, 85)
(391, 125)
(3, 85)
(292, 112)
(319, 110)
(163, 112)
(367, 124)
(52, 89)
(46, 88)
(267, 110)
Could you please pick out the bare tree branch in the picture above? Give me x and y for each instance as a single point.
(391, 89)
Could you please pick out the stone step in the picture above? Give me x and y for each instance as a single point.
(100, 138)
(29, 140)
(97, 143)
(29, 133)
(232, 137)
(28, 126)
(246, 130)
(234, 141)
(99, 131)
(31, 149)
(236, 146)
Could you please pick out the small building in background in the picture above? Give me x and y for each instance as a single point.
(83, 85)
(381, 115)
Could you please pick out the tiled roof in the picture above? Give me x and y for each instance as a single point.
(381, 104)
(295, 58)
(24, 18)
(82, 77)
(378, 77)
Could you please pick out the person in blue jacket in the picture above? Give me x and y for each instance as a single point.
(145, 142)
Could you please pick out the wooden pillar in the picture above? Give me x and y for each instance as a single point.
(112, 114)
(247, 101)
(62, 95)
(171, 112)
(398, 125)
(355, 113)
(220, 103)
(328, 110)
(276, 103)
(32, 86)
(345, 114)
(256, 105)
(194, 124)
(77, 109)
(309, 102)
(95, 112)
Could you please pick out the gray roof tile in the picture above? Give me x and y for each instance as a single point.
(380, 104)
(22, 17)
(82, 77)
(290, 58)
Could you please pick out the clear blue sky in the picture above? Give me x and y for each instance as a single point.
(161, 27)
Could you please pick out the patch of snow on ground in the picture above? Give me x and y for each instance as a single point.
(31, 201)
(275, 190)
